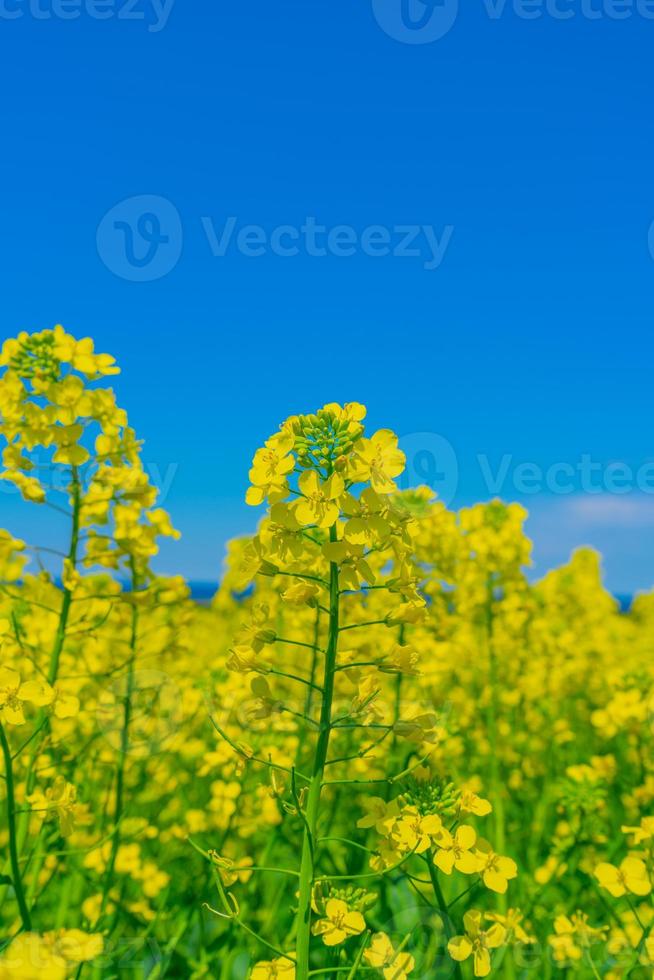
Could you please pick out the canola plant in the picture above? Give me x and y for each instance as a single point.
(380, 751)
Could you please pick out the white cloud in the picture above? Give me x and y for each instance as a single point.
(611, 510)
(621, 528)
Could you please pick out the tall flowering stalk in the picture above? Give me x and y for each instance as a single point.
(339, 539)
(328, 535)
(68, 447)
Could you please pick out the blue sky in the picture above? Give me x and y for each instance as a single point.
(516, 151)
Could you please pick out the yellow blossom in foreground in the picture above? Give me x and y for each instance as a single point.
(270, 467)
(14, 693)
(469, 802)
(455, 851)
(630, 877)
(379, 460)
(495, 869)
(512, 922)
(51, 956)
(477, 943)
(318, 504)
(380, 814)
(381, 955)
(74, 945)
(414, 832)
(339, 923)
(277, 969)
(59, 800)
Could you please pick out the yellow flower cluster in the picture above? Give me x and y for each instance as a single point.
(382, 750)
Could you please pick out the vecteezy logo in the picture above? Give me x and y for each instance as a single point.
(140, 239)
(416, 21)
(430, 461)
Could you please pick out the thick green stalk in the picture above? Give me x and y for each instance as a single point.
(448, 927)
(16, 877)
(497, 789)
(314, 665)
(492, 716)
(42, 720)
(124, 749)
(60, 636)
(303, 938)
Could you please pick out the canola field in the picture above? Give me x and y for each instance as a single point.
(381, 751)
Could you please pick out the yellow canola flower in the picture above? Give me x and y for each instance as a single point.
(495, 869)
(630, 877)
(573, 935)
(350, 412)
(645, 831)
(74, 945)
(477, 942)
(469, 802)
(366, 518)
(300, 594)
(318, 505)
(381, 955)
(65, 705)
(232, 871)
(14, 693)
(378, 460)
(381, 815)
(81, 355)
(415, 832)
(354, 568)
(455, 851)
(512, 923)
(59, 800)
(339, 924)
(277, 969)
(51, 956)
(270, 468)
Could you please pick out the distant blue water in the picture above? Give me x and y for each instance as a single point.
(203, 591)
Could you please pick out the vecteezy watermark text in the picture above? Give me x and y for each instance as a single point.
(318, 241)
(568, 9)
(426, 21)
(585, 475)
(432, 461)
(141, 239)
(153, 13)
(55, 477)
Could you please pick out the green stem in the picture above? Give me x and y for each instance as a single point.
(592, 965)
(60, 636)
(497, 789)
(17, 880)
(359, 626)
(443, 908)
(43, 719)
(124, 749)
(493, 707)
(315, 787)
(314, 665)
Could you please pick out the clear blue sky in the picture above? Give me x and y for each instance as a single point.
(532, 339)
